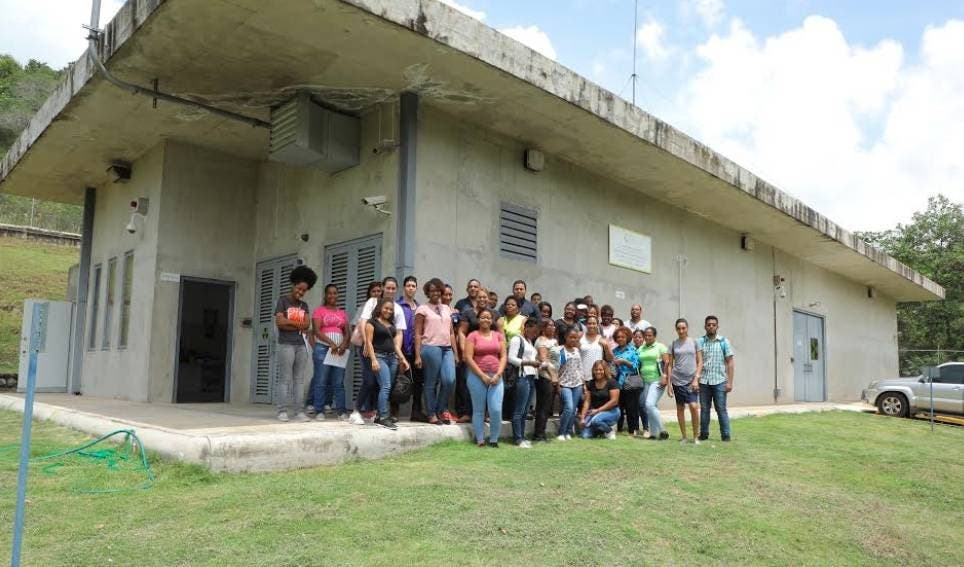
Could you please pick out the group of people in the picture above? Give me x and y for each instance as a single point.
(480, 361)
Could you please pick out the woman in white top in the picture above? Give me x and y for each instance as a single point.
(524, 357)
(358, 339)
(570, 384)
(547, 345)
(592, 347)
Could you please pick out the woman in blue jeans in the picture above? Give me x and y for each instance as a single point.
(435, 352)
(331, 335)
(570, 383)
(485, 357)
(525, 361)
(384, 355)
(600, 406)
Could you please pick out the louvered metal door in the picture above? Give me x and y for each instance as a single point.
(272, 282)
(352, 266)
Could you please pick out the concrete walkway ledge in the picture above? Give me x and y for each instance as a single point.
(286, 446)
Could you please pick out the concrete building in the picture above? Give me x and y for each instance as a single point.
(494, 162)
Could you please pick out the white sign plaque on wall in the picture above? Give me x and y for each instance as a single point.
(630, 250)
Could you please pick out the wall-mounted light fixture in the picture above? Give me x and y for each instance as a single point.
(533, 160)
(779, 287)
(120, 171)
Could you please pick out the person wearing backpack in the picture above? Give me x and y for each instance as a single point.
(523, 360)
(716, 380)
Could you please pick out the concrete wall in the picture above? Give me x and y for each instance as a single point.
(121, 372)
(464, 173)
(206, 215)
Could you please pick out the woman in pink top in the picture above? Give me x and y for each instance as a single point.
(434, 352)
(331, 335)
(485, 356)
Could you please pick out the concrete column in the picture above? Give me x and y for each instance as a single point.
(405, 220)
(83, 279)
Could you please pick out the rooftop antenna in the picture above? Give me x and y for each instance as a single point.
(635, 27)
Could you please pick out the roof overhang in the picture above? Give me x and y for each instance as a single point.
(246, 55)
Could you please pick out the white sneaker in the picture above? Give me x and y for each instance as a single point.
(319, 417)
(561, 438)
(356, 419)
(524, 444)
(696, 441)
(325, 409)
(646, 435)
(283, 416)
(343, 417)
(300, 416)
(683, 441)
(611, 434)
(568, 437)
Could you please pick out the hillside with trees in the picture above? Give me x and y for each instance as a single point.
(23, 88)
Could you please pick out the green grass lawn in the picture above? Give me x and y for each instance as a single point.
(28, 269)
(829, 488)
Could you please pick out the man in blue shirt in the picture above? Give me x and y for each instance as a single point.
(526, 307)
(716, 380)
(408, 305)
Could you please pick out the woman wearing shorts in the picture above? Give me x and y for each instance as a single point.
(685, 366)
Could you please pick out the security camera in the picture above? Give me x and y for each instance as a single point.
(131, 227)
(374, 201)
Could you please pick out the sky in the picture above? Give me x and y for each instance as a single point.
(855, 107)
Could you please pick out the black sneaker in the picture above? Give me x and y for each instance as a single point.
(663, 435)
(726, 439)
(704, 437)
(494, 444)
(394, 419)
(386, 422)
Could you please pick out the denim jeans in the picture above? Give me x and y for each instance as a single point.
(715, 394)
(380, 382)
(484, 395)
(570, 399)
(463, 400)
(327, 376)
(292, 366)
(438, 371)
(600, 424)
(523, 387)
(649, 399)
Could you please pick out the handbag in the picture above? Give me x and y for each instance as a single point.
(402, 388)
(512, 378)
(633, 382)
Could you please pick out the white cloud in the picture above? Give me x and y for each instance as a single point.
(860, 133)
(709, 11)
(651, 38)
(533, 37)
(477, 14)
(48, 30)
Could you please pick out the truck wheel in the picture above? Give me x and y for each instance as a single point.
(893, 404)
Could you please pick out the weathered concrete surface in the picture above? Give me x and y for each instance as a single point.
(272, 446)
(246, 55)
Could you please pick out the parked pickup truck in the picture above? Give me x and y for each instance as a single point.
(903, 397)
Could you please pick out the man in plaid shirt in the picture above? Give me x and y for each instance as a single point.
(717, 378)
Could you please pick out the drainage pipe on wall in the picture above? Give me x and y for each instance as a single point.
(79, 325)
(776, 362)
(94, 50)
(405, 223)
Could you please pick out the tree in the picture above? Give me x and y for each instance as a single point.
(933, 245)
(23, 89)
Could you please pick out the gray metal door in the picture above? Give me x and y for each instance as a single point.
(809, 368)
(352, 266)
(272, 281)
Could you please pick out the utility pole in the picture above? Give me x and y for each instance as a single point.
(635, 28)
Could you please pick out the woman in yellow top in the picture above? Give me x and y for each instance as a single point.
(510, 324)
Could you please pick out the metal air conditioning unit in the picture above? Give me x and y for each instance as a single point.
(304, 133)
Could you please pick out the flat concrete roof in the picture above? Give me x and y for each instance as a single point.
(246, 55)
